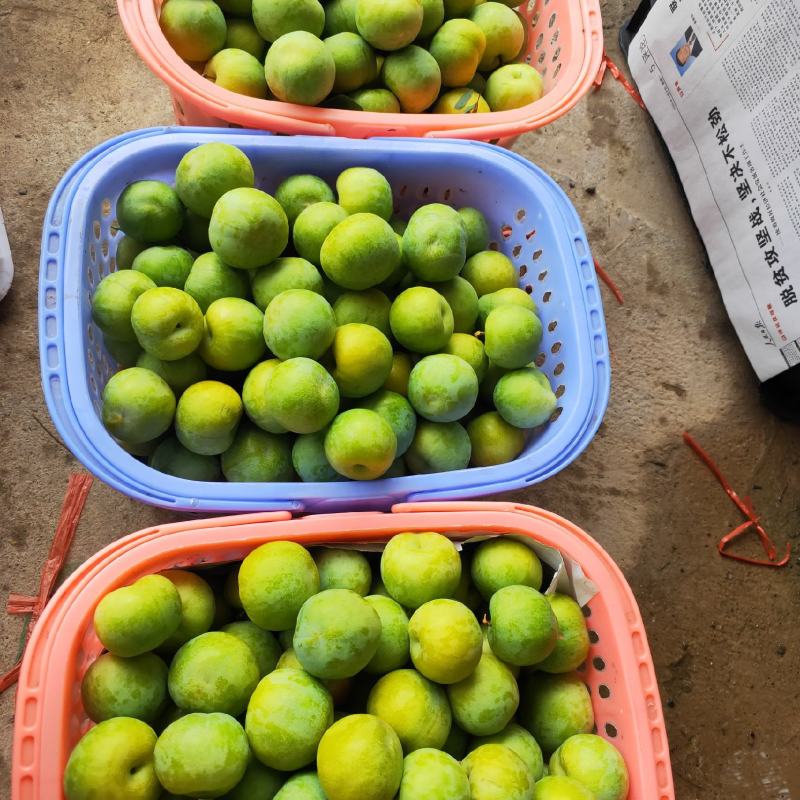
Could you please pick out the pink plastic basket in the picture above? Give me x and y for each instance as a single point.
(619, 671)
(564, 42)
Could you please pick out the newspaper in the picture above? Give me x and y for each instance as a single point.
(721, 79)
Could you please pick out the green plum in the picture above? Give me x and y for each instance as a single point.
(438, 447)
(312, 227)
(299, 68)
(299, 323)
(421, 320)
(343, 569)
(256, 455)
(113, 302)
(167, 322)
(493, 440)
(194, 28)
(393, 645)
(172, 458)
(210, 279)
(360, 444)
(442, 387)
(207, 417)
(138, 405)
(435, 243)
(297, 192)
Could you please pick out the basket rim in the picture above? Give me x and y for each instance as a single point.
(41, 696)
(76, 420)
(140, 22)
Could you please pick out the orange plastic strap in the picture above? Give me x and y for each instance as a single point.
(609, 282)
(608, 64)
(745, 505)
(71, 510)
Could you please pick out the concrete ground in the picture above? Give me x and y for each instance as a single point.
(724, 636)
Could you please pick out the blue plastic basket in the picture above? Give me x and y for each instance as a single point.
(533, 222)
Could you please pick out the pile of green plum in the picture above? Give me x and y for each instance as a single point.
(447, 56)
(300, 675)
(312, 334)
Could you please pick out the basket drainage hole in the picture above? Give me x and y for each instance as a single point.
(96, 229)
(558, 69)
(403, 190)
(540, 360)
(540, 60)
(598, 663)
(556, 414)
(494, 246)
(505, 231)
(520, 215)
(426, 191)
(593, 637)
(530, 234)
(528, 58)
(552, 20)
(587, 612)
(556, 347)
(560, 390)
(556, 54)
(537, 254)
(542, 274)
(539, 40)
(554, 324)
(559, 368)
(105, 207)
(546, 297)
(447, 193)
(604, 691)
(517, 250)
(523, 271)
(528, 288)
(611, 730)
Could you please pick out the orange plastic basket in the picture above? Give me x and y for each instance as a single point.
(619, 670)
(564, 42)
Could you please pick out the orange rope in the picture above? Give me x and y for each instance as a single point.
(609, 282)
(71, 510)
(608, 64)
(744, 505)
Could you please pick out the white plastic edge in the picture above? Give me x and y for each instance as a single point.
(6, 264)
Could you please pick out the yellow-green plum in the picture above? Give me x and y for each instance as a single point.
(523, 629)
(445, 641)
(360, 444)
(233, 338)
(338, 687)
(213, 672)
(242, 34)
(503, 561)
(263, 644)
(572, 645)
(493, 440)
(490, 270)
(456, 744)
(337, 634)
(560, 787)
(309, 460)
(389, 24)
(287, 715)
(392, 652)
(438, 447)
(299, 323)
(555, 707)
(134, 619)
(379, 100)
(312, 227)
(524, 398)
(594, 762)
(298, 192)
(513, 86)
(372, 744)
(168, 323)
(413, 76)
(202, 755)
(343, 569)
(461, 101)
(179, 374)
(197, 607)
(165, 265)
(138, 405)
(300, 69)
(258, 782)
(113, 760)
(430, 774)
(475, 224)
(301, 395)
(210, 279)
(360, 252)
(340, 15)
(238, 71)
(150, 211)
(248, 228)
(274, 18)
(355, 61)
(399, 374)
(283, 274)
(504, 297)
(470, 349)
(497, 773)
(364, 190)
(209, 171)
(274, 582)
(414, 707)
(418, 567)
(504, 31)
(421, 320)
(301, 786)
(125, 687)
(512, 336)
(207, 417)
(485, 702)
(370, 307)
(463, 302)
(172, 458)
(516, 738)
(258, 456)
(362, 359)
(127, 249)
(397, 411)
(254, 396)
(435, 243)
(442, 387)
(113, 302)
(458, 48)
(432, 18)
(195, 29)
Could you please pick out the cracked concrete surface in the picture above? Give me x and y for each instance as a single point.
(724, 636)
